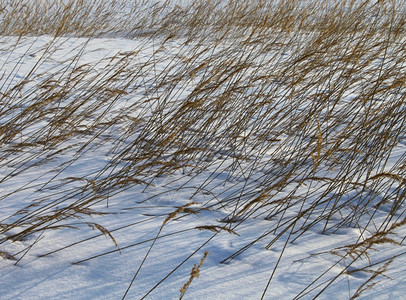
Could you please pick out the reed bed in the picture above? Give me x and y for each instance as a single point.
(288, 111)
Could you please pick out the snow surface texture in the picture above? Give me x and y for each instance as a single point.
(154, 221)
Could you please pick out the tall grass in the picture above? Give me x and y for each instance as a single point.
(300, 105)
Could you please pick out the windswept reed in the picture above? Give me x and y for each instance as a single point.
(288, 111)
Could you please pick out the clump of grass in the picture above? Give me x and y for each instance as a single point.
(300, 105)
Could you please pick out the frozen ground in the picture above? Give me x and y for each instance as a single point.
(84, 263)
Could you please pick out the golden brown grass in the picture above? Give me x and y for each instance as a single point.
(299, 103)
(195, 273)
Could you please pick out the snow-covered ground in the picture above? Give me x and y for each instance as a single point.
(145, 252)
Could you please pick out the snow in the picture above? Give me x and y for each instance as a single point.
(82, 263)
